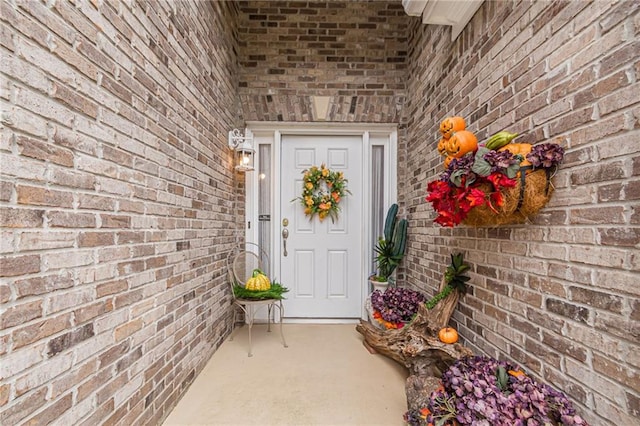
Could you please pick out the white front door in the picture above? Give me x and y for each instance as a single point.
(323, 264)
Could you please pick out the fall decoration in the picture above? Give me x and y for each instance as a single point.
(461, 143)
(258, 281)
(395, 306)
(276, 291)
(322, 191)
(454, 279)
(450, 125)
(479, 390)
(448, 335)
(493, 187)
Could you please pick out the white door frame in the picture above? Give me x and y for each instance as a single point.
(265, 132)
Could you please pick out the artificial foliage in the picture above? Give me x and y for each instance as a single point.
(482, 176)
(276, 291)
(396, 305)
(455, 278)
(322, 191)
(482, 391)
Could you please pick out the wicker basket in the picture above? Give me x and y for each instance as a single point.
(531, 193)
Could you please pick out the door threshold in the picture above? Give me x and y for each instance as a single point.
(321, 320)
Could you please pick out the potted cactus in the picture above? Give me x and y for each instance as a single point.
(389, 249)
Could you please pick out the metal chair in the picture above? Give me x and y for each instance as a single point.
(241, 262)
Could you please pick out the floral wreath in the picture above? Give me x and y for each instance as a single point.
(320, 198)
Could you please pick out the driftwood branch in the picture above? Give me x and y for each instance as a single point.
(417, 346)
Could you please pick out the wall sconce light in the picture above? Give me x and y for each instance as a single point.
(243, 157)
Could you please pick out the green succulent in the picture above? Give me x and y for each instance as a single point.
(455, 273)
(454, 277)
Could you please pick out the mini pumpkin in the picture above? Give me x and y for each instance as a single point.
(460, 143)
(258, 281)
(441, 145)
(448, 335)
(450, 125)
(519, 148)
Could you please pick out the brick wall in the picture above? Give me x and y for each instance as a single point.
(353, 52)
(116, 205)
(559, 295)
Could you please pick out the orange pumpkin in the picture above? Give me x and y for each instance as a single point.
(441, 146)
(448, 335)
(450, 125)
(519, 148)
(460, 143)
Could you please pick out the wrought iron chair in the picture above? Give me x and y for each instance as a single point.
(241, 262)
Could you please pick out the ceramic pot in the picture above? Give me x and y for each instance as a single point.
(379, 285)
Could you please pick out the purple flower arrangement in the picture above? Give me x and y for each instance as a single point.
(396, 304)
(482, 391)
(545, 155)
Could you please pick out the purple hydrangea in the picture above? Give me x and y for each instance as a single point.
(546, 155)
(397, 304)
(500, 160)
(484, 391)
(464, 163)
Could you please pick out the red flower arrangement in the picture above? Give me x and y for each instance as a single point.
(453, 203)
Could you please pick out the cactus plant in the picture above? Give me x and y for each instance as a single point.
(390, 247)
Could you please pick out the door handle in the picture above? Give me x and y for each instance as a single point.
(285, 235)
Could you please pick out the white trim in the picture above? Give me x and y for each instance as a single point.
(457, 13)
(319, 128)
(272, 132)
(366, 201)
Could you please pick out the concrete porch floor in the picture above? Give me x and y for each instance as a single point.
(325, 377)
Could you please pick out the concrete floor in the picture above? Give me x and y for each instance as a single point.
(325, 377)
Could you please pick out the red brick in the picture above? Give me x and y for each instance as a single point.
(74, 100)
(5, 389)
(19, 314)
(6, 188)
(19, 265)
(126, 330)
(42, 285)
(87, 313)
(598, 215)
(69, 339)
(60, 219)
(72, 179)
(5, 293)
(95, 382)
(45, 328)
(115, 221)
(111, 287)
(620, 373)
(26, 405)
(44, 151)
(20, 218)
(53, 411)
(111, 388)
(99, 414)
(95, 239)
(96, 202)
(38, 196)
(75, 141)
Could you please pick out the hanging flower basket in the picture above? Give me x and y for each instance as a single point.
(495, 183)
(520, 202)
